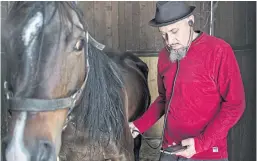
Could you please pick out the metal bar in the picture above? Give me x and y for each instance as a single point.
(211, 20)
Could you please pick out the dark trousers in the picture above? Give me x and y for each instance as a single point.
(167, 157)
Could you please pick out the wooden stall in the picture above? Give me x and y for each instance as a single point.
(123, 25)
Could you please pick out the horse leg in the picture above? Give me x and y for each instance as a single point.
(137, 145)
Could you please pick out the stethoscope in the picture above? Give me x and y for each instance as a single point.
(172, 92)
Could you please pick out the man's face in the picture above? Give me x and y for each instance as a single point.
(176, 38)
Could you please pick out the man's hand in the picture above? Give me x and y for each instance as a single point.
(134, 130)
(190, 150)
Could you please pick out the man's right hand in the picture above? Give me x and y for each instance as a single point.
(134, 130)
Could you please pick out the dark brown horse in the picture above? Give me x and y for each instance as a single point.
(60, 76)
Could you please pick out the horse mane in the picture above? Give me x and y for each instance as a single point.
(101, 110)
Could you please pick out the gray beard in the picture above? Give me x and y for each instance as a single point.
(177, 54)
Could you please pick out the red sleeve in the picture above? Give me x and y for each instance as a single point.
(156, 109)
(230, 86)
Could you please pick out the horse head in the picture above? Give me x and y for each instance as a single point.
(45, 44)
(56, 69)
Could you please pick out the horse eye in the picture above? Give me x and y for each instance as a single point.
(79, 45)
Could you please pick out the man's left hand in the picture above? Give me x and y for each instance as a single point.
(190, 150)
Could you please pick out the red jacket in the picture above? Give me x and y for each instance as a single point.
(208, 97)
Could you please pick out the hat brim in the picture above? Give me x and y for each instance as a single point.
(155, 24)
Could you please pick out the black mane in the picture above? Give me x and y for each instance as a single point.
(101, 111)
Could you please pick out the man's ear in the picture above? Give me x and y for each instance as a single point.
(192, 18)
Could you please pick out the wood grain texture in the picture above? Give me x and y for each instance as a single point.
(128, 29)
(135, 26)
(100, 21)
(251, 22)
(108, 24)
(88, 10)
(115, 25)
(4, 76)
(239, 17)
(156, 129)
(123, 25)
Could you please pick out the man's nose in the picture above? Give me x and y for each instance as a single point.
(169, 39)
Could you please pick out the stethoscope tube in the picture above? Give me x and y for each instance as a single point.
(172, 92)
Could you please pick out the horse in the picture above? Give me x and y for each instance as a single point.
(65, 87)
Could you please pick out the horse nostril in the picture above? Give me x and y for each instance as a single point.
(44, 151)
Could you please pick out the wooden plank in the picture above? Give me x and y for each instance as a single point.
(99, 21)
(240, 136)
(156, 34)
(135, 25)
(201, 14)
(4, 10)
(156, 129)
(108, 24)
(4, 104)
(149, 29)
(234, 132)
(205, 16)
(239, 17)
(247, 122)
(143, 14)
(158, 40)
(145, 37)
(197, 13)
(223, 26)
(128, 25)
(121, 26)
(115, 22)
(252, 105)
(88, 9)
(251, 22)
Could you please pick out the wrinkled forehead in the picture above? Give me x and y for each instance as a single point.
(174, 26)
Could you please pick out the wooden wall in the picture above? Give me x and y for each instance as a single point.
(236, 23)
(123, 25)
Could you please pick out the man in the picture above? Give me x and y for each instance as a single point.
(199, 85)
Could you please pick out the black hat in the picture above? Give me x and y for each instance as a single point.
(169, 12)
